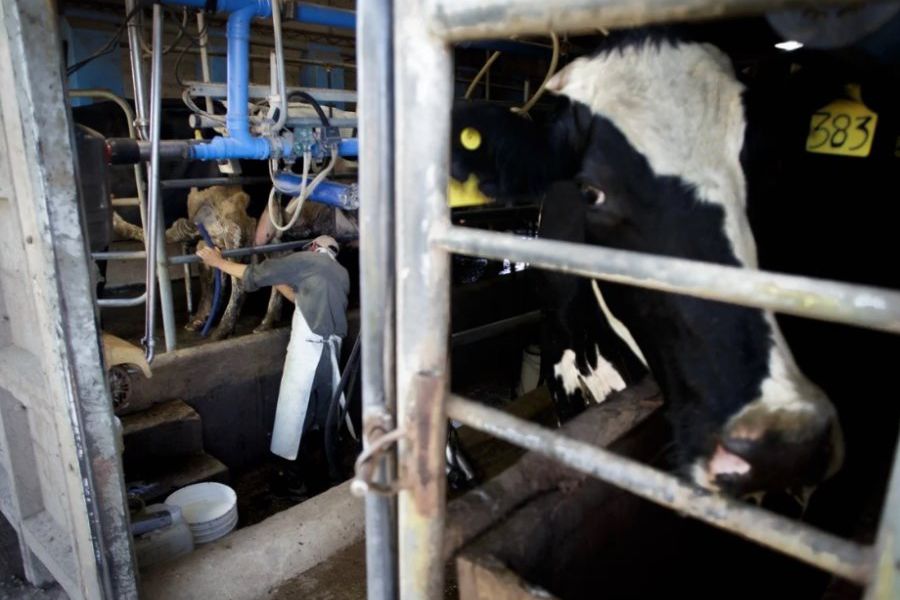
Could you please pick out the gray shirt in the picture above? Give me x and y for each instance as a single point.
(320, 283)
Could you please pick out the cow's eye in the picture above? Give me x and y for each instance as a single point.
(470, 138)
(594, 195)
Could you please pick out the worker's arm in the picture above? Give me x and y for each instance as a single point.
(213, 258)
(286, 291)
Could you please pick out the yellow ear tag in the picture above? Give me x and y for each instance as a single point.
(470, 138)
(466, 193)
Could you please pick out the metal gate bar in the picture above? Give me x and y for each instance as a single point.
(457, 20)
(818, 548)
(867, 306)
(374, 49)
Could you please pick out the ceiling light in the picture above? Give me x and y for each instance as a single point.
(789, 46)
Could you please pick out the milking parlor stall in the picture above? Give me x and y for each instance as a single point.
(477, 299)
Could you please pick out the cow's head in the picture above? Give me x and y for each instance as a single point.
(661, 173)
(511, 157)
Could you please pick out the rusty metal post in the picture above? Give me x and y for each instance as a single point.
(423, 92)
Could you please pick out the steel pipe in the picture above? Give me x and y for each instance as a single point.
(871, 307)
(122, 302)
(156, 243)
(138, 80)
(176, 184)
(120, 255)
(374, 49)
(818, 548)
(235, 252)
(186, 259)
(259, 91)
(489, 330)
(457, 20)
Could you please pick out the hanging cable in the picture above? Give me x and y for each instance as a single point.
(315, 104)
(107, 48)
(182, 32)
(487, 65)
(273, 206)
(543, 87)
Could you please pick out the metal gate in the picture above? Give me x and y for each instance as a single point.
(61, 483)
(405, 95)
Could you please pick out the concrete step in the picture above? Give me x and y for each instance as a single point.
(163, 432)
(172, 474)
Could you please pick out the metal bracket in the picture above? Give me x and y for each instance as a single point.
(379, 437)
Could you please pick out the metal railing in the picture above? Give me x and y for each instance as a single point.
(423, 239)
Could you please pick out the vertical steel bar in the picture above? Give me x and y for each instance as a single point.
(153, 209)
(138, 80)
(886, 572)
(204, 55)
(423, 92)
(374, 42)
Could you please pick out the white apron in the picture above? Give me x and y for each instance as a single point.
(303, 353)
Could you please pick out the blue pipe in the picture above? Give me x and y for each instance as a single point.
(217, 279)
(325, 15)
(327, 192)
(240, 143)
(314, 14)
(348, 147)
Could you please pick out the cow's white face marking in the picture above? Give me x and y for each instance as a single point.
(617, 326)
(598, 383)
(680, 106)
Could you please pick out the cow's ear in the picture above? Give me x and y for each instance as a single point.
(561, 78)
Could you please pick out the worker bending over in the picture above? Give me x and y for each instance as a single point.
(318, 286)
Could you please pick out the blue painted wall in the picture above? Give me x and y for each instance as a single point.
(103, 72)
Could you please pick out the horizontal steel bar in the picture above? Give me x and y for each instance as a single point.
(119, 255)
(457, 20)
(866, 306)
(282, 247)
(174, 184)
(483, 332)
(818, 548)
(121, 302)
(259, 91)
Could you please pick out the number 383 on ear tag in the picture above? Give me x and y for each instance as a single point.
(842, 128)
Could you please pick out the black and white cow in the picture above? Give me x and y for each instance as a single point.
(646, 155)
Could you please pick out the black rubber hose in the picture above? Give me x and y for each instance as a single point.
(332, 421)
(315, 103)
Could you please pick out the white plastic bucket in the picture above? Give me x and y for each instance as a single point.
(531, 369)
(209, 508)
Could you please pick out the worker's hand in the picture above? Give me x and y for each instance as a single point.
(212, 257)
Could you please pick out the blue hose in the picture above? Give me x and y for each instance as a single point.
(217, 278)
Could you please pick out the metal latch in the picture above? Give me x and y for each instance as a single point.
(379, 438)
